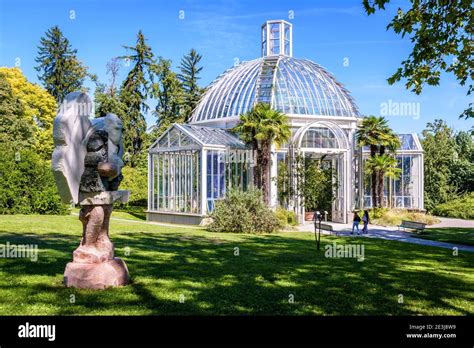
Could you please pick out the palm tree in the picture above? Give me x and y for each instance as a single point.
(261, 127)
(384, 166)
(390, 141)
(375, 133)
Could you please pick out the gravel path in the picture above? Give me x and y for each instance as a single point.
(390, 233)
(449, 222)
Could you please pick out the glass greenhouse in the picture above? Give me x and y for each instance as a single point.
(407, 190)
(192, 165)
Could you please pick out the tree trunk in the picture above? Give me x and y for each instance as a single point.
(257, 180)
(265, 161)
(373, 178)
(373, 186)
(380, 188)
(256, 169)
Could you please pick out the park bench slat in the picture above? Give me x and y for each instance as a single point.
(418, 226)
(325, 227)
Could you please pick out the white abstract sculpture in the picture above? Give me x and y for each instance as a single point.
(70, 128)
(87, 167)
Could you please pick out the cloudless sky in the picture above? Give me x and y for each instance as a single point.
(331, 33)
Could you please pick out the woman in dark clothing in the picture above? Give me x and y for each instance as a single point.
(365, 219)
(355, 222)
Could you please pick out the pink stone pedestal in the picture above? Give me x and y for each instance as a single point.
(94, 265)
(96, 275)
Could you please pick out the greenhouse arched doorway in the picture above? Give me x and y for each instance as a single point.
(326, 141)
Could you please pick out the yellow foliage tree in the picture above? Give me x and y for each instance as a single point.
(40, 108)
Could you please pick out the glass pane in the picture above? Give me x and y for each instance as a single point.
(275, 38)
(185, 140)
(406, 165)
(399, 202)
(274, 46)
(407, 202)
(407, 142)
(406, 185)
(215, 177)
(367, 201)
(209, 174)
(222, 182)
(398, 187)
(318, 137)
(174, 138)
(163, 141)
(275, 31)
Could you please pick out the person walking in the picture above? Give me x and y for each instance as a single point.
(355, 223)
(365, 219)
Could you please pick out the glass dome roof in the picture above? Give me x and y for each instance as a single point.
(293, 86)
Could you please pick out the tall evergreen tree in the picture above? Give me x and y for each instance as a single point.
(133, 94)
(170, 95)
(106, 103)
(189, 77)
(59, 69)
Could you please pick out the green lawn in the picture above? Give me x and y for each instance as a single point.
(166, 263)
(449, 235)
(129, 213)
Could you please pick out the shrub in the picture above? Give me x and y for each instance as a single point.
(47, 201)
(394, 217)
(377, 213)
(135, 180)
(287, 218)
(243, 212)
(461, 208)
(28, 185)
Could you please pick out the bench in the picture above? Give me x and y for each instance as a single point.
(418, 226)
(324, 227)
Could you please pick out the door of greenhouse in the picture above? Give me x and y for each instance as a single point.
(333, 162)
(338, 179)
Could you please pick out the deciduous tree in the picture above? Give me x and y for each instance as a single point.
(439, 147)
(15, 130)
(441, 31)
(39, 109)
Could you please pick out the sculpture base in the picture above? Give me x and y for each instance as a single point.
(96, 275)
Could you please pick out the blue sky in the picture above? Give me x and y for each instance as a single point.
(338, 35)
